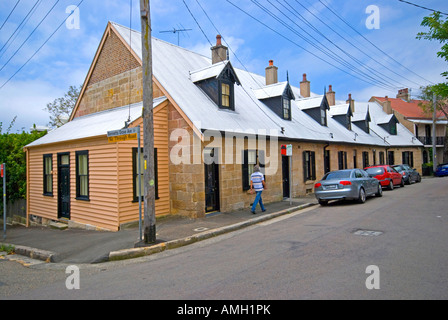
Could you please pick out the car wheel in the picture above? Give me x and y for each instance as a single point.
(323, 202)
(362, 196)
(391, 185)
(380, 191)
(419, 179)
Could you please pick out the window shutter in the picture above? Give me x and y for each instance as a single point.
(245, 170)
(313, 165)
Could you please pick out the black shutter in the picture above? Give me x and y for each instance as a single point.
(345, 159)
(313, 165)
(245, 170)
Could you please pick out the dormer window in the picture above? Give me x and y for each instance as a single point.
(278, 98)
(389, 123)
(217, 81)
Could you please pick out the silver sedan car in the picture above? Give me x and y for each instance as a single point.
(350, 184)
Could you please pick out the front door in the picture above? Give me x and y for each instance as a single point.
(211, 173)
(64, 185)
(285, 173)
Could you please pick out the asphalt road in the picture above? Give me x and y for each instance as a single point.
(313, 254)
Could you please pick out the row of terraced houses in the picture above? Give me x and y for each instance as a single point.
(212, 124)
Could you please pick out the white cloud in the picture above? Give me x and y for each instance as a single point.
(26, 100)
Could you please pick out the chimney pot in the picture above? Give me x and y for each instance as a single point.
(304, 77)
(330, 88)
(271, 63)
(219, 52)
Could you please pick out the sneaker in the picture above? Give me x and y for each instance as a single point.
(253, 212)
(263, 210)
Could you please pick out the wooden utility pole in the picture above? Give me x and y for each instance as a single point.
(434, 132)
(149, 232)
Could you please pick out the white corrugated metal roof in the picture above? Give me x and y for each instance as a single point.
(270, 91)
(96, 124)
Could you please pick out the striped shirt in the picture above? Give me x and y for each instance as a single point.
(257, 179)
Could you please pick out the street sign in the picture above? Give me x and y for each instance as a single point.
(286, 150)
(289, 150)
(1, 171)
(122, 135)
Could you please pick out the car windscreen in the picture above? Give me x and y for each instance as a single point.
(374, 171)
(337, 175)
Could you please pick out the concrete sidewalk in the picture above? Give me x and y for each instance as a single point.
(77, 246)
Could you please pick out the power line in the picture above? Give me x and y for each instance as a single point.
(383, 83)
(31, 10)
(29, 36)
(422, 7)
(48, 39)
(298, 45)
(194, 18)
(385, 53)
(357, 74)
(10, 14)
(355, 46)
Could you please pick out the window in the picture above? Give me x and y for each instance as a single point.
(139, 189)
(309, 165)
(82, 175)
(327, 161)
(48, 175)
(250, 159)
(342, 160)
(365, 159)
(391, 157)
(286, 109)
(408, 158)
(323, 117)
(355, 160)
(393, 129)
(225, 95)
(382, 157)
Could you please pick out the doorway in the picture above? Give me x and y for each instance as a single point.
(64, 185)
(211, 173)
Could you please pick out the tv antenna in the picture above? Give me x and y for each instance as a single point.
(178, 31)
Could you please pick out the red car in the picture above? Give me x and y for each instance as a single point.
(388, 176)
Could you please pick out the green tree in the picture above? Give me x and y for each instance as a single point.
(12, 154)
(438, 30)
(61, 108)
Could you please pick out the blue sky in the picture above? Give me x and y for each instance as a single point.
(332, 54)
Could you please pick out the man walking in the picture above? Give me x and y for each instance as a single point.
(257, 183)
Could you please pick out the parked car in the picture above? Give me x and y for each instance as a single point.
(442, 170)
(387, 176)
(349, 184)
(409, 175)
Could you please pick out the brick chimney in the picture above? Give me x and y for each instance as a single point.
(305, 89)
(351, 102)
(219, 52)
(271, 73)
(331, 96)
(387, 107)
(404, 94)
